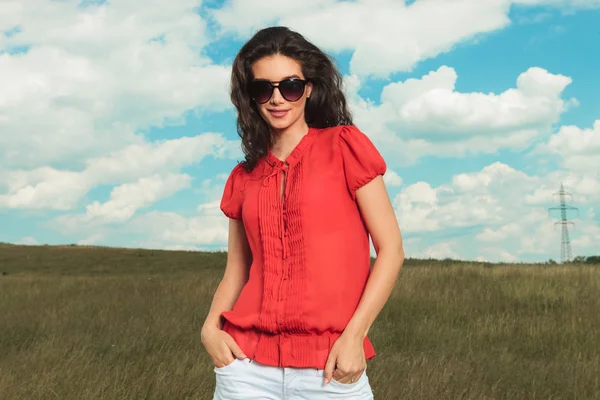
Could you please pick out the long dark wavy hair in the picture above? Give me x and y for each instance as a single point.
(326, 106)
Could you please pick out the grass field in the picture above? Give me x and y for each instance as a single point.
(100, 323)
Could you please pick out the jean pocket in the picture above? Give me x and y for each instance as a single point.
(228, 366)
(349, 385)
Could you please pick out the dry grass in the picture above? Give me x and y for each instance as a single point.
(99, 323)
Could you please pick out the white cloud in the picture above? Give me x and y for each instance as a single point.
(92, 77)
(162, 156)
(78, 85)
(425, 116)
(167, 228)
(153, 229)
(565, 4)
(243, 17)
(498, 213)
(183, 247)
(209, 228)
(44, 187)
(385, 36)
(126, 199)
(91, 240)
(497, 255)
(588, 237)
(414, 206)
(49, 188)
(542, 239)
(578, 148)
(472, 199)
(123, 215)
(391, 178)
(502, 233)
(442, 250)
(28, 240)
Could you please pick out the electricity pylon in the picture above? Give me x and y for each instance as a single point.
(565, 248)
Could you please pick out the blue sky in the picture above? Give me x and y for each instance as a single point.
(116, 128)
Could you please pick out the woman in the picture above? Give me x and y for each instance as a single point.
(291, 315)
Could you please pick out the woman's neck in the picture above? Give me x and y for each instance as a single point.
(285, 140)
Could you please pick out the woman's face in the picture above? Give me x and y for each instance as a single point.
(278, 112)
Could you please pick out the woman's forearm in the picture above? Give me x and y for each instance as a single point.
(224, 299)
(237, 271)
(377, 291)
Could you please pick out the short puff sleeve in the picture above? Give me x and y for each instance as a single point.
(232, 199)
(362, 160)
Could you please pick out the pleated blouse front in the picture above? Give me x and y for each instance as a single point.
(310, 247)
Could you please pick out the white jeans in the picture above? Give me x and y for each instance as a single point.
(248, 379)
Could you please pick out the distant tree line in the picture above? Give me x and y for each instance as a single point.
(586, 260)
(448, 262)
(444, 262)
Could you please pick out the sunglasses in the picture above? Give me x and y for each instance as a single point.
(291, 89)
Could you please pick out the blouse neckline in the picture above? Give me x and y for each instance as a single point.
(296, 153)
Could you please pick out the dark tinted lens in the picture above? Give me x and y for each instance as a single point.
(260, 91)
(291, 89)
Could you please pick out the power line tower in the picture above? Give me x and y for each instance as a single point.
(565, 248)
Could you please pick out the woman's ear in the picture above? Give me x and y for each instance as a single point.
(308, 89)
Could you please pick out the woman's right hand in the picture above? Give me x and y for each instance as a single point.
(220, 346)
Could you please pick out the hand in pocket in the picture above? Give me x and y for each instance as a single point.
(220, 346)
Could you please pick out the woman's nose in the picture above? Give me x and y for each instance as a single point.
(277, 98)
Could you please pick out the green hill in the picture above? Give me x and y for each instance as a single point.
(81, 322)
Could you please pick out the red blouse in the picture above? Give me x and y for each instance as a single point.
(311, 250)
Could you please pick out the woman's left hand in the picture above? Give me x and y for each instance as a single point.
(346, 360)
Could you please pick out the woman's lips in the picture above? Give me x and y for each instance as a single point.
(278, 113)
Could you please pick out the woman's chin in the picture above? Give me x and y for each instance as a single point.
(280, 124)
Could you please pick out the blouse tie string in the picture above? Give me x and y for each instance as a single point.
(277, 170)
(274, 173)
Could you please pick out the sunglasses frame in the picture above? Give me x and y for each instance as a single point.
(276, 85)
